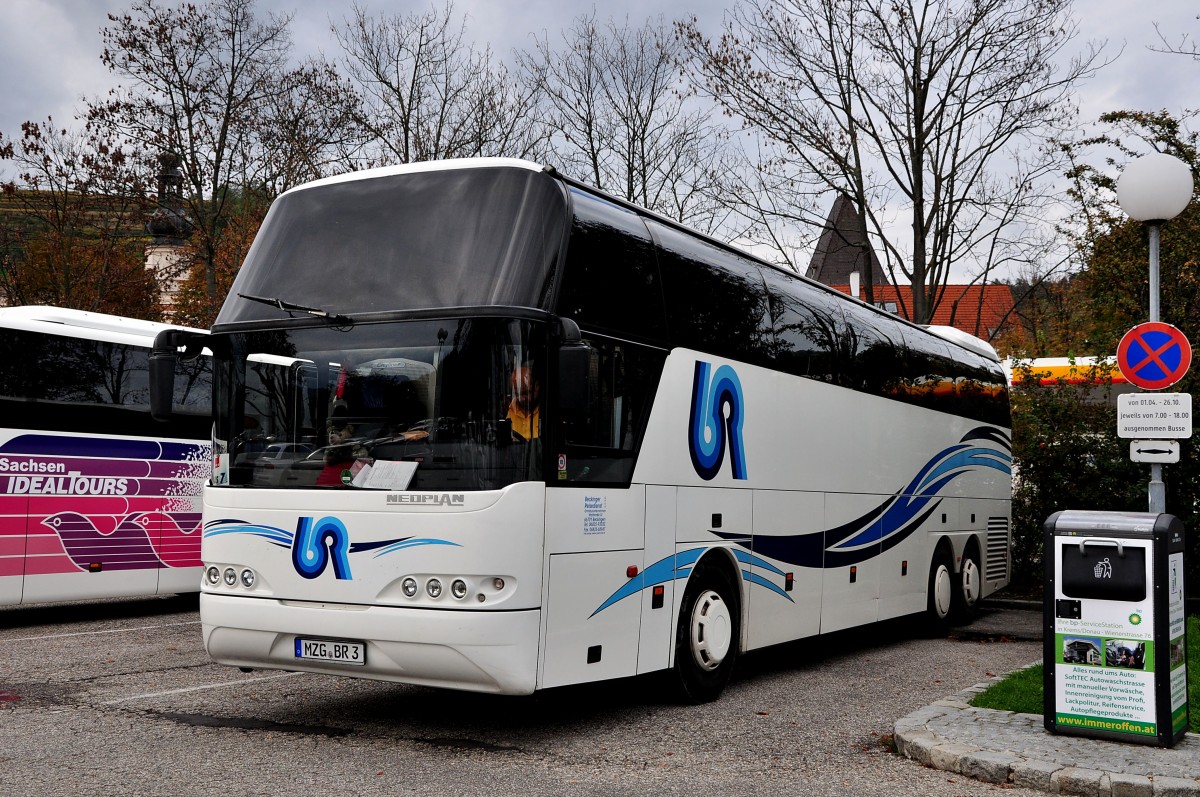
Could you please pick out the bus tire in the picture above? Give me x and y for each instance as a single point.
(970, 584)
(940, 600)
(706, 641)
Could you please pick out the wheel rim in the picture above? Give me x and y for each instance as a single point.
(943, 590)
(711, 630)
(970, 581)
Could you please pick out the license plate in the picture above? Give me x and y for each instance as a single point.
(338, 650)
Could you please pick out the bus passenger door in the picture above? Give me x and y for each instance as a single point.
(658, 597)
(14, 514)
(852, 553)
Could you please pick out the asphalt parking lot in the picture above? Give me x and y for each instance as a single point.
(119, 698)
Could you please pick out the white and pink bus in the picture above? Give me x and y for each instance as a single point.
(97, 499)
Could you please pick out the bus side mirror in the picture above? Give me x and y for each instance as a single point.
(164, 359)
(577, 372)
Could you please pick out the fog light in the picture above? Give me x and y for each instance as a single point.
(230, 577)
(434, 588)
(247, 578)
(214, 575)
(498, 583)
(409, 585)
(459, 588)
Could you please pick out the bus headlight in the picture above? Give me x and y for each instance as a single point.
(409, 585)
(230, 577)
(247, 578)
(459, 588)
(213, 574)
(434, 588)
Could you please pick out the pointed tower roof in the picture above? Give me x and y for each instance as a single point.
(843, 248)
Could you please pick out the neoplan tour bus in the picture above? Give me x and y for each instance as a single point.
(97, 500)
(555, 438)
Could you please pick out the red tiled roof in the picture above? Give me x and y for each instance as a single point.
(980, 319)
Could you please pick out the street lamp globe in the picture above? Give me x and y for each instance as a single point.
(1155, 188)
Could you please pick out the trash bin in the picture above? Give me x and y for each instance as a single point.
(1115, 642)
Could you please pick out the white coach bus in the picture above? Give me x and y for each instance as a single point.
(542, 437)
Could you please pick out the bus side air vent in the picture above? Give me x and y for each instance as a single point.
(997, 549)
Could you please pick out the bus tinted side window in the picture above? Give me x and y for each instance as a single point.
(610, 281)
(78, 385)
(877, 363)
(716, 300)
(929, 373)
(601, 447)
(811, 336)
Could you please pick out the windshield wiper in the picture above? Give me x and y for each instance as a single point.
(289, 307)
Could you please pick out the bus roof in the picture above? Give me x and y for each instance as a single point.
(423, 166)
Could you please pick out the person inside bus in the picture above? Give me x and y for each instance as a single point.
(523, 410)
(340, 455)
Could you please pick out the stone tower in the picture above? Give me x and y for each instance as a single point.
(170, 226)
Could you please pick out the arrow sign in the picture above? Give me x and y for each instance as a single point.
(1154, 355)
(1164, 451)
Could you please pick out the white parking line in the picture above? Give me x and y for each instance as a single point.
(105, 631)
(200, 688)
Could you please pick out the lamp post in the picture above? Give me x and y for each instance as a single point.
(1154, 189)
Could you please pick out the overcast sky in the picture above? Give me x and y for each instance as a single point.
(50, 49)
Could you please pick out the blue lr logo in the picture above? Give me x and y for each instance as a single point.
(317, 544)
(716, 417)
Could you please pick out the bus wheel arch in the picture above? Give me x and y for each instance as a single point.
(708, 632)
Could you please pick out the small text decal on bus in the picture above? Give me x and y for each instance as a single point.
(714, 395)
(316, 544)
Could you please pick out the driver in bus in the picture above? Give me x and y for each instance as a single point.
(523, 410)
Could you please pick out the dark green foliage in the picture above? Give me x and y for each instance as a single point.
(1067, 456)
(1082, 462)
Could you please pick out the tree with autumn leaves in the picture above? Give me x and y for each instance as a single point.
(72, 232)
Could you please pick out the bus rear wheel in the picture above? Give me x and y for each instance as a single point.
(706, 641)
(970, 584)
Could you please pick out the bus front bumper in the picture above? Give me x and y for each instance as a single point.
(475, 651)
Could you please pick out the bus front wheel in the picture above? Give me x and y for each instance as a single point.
(706, 642)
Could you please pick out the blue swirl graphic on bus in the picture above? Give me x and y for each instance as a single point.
(317, 544)
(709, 429)
(679, 566)
(898, 517)
(314, 546)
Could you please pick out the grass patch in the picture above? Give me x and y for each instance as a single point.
(1021, 691)
(1193, 667)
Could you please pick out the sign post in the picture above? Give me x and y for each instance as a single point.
(1154, 356)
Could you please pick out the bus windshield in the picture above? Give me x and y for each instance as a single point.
(419, 405)
(457, 238)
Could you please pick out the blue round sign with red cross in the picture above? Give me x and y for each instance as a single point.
(1154, 355)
